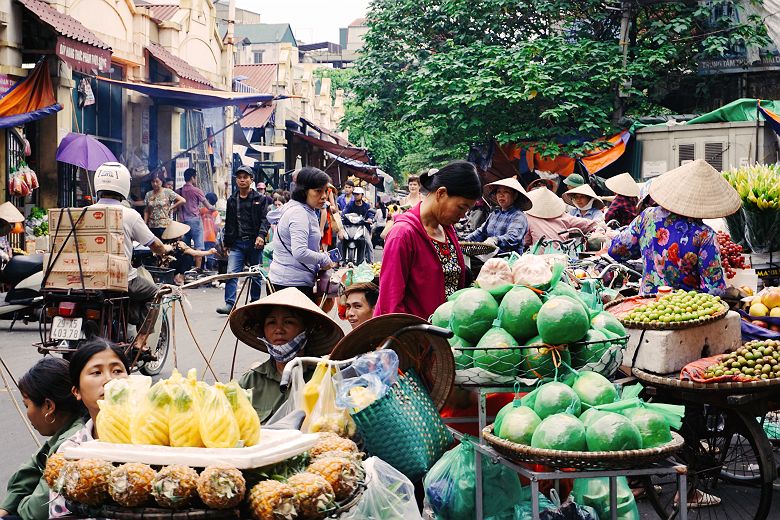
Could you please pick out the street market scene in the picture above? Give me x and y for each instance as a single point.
(390, 259)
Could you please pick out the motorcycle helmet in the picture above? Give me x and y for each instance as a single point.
(113, 177)
(358, 191)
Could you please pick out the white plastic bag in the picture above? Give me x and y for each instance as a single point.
(294, 400)
(389, 495)
(326, 415)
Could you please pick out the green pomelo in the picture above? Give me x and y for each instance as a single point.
(652, 426)
(605, 320)
(555, 397)
(562, 320)
(613, 432)
(560, 432)
(502, 413)
(500, 291)
(581, 354)
(519, 424)
(500, 355)
(564, 289)
(591, 415)
(441, 316)
(473, 314)
(540, 363)
(463, 358)
(457, 294)
(518, 312)
(594, 389)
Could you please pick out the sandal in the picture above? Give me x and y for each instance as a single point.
(700, 500)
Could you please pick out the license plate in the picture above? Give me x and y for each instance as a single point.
(66, 328)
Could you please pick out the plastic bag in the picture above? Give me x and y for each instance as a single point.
(356, 393)
(150, 422)
(246, 416)
(311, 390)
(113, 421)
(553, 509)
(218, 425)
(184, 428)
(326, 415)
(382, 363)
(450, 485)
(594, 492)
(389, 495)
(295, 398)
(761, 230)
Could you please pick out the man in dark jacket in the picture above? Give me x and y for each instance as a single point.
(246, 227)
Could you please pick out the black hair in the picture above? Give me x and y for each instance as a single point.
(189, 173)
(369, 290)
(349, 183)
(309, 178)
(85, 352)
(49, 379)
(279, 197)
(212, 198)
(459, 178)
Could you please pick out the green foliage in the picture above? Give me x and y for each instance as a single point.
(444, 74)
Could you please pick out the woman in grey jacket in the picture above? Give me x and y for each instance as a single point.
(297, 256)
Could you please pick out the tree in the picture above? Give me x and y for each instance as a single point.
(545, 71)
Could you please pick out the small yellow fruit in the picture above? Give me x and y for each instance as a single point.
(775, 313)
(758, 309)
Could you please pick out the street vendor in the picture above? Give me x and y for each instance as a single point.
(680, 250)
(422, 262)
(173, 234)
(9, 216)
(548, 217)
(54, 412)
(585, 203)
(285, 324)
(506, 225)
(623, 208)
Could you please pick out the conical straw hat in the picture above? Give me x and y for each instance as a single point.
(695, 190)
(323, 333)
(522, 201)
(623, 184)
(546, 204)
(10, 214)
(585, 189)
(175, 230)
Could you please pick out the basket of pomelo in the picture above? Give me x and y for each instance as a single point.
(584, 424)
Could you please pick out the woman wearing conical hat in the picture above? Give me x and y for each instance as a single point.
(623, 208)
(678, 249)
(506, 225)
(548, 217)
(585, 203)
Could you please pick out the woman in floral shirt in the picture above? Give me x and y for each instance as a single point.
(161, 203)
(678, 249)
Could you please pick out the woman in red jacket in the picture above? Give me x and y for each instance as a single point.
(422, 262)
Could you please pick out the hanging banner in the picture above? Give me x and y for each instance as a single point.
(182, 163)
(6, 82)
(83, 57)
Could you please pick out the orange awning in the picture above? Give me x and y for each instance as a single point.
(30, 99)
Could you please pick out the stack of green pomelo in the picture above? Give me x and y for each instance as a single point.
(558, 416)
(557, 324)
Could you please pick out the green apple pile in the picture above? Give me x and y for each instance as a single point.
(677, 307)
(756, 360)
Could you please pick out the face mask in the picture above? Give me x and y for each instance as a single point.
(285, 352)
(585, 207)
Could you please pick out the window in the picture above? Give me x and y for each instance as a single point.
(687, 153)
(258, 56)
(713, 154)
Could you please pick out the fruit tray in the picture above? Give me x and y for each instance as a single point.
(623, 306)
(582, 460)
(274, 446)
(730, 387)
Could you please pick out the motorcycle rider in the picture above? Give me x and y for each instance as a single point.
(112, 185)
(359, 206)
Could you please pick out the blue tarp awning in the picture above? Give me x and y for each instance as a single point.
(193, 97)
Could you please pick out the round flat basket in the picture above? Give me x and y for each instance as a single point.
(476, 248)
(152, 513)
(583, 460)
(622, 306)
(731, 387)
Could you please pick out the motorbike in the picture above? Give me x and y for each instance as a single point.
(23, 301)
(357, 240)
(74, 316)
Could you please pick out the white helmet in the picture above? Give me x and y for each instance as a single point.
(114, 177)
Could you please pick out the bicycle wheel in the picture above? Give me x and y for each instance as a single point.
(728, 456)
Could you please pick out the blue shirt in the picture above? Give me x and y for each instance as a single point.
(592, 214)
(507, 226)
(341, 201)
(364, 210)
(297, 257)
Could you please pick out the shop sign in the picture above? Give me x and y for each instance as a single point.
(81, 56)
(6, 82)
(182, 163)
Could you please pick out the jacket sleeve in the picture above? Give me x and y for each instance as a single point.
(263, 214)
(626, 244)
(479, 234)
(512, 240)
(397, 262)
(231, 227)
(299, 243)
(22, 484)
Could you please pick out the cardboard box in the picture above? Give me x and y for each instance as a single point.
(89, 242)
(94, 219)
(100, 271)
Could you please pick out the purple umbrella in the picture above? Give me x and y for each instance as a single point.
(83, 151)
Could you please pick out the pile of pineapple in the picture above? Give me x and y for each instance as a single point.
(332, 473)
(177, 411)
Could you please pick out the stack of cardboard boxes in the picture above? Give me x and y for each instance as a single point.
(96, 234)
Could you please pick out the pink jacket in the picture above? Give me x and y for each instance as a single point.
(411, 280)
(549, 227)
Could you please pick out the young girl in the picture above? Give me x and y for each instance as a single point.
(172, 235)
(93, 365)
(55, 413)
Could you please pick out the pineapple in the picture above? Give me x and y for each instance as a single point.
(53, 469)
(246, 416)
(357, 458)
(150, 422)
(113, 421)
(332, 442)
(273, 500)
(221, 487)
(86, 481)
(218, 425)
(130, 485)
(314, 494)
(175, 486)
(341, 473)
(184, 428)
(340, 423)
